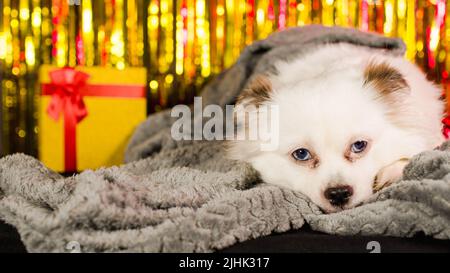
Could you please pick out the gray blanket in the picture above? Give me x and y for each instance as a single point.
(186, 197)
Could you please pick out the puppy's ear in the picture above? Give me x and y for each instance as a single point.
(256, 92)
(386, 80)
(392, 90)
(253, 96)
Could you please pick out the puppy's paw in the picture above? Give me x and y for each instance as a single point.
(390, 174)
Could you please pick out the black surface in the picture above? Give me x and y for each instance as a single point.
(297, 241)
(309, 241)
(10, 240)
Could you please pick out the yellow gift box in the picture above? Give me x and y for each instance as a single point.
(88, 114)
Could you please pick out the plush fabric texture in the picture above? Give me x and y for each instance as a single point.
(187, 197)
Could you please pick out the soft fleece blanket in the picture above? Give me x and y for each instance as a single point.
(186, 197)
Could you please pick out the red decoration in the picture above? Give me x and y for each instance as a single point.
(446, 127)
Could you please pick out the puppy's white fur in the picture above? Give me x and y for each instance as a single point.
(324, 105)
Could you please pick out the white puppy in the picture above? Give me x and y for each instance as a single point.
(349, 120)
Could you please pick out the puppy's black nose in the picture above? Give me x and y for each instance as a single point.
(339, 196)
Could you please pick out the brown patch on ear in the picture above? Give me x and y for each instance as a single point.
(384, 78)
(392, 89)
(257, 92)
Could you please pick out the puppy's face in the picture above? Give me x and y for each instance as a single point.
(332, 143)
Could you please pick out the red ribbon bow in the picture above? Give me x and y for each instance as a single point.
(65, 88)
(66, 84)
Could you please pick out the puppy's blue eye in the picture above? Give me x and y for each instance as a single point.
(359, 146)
(301, 154)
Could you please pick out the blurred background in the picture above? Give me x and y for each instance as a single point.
(182, 43)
